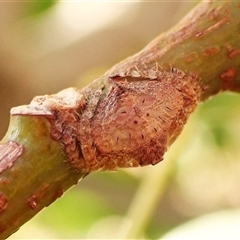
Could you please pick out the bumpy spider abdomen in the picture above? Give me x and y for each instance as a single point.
(134, 121)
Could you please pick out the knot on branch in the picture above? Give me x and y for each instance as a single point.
(126, 121)
(134, 120)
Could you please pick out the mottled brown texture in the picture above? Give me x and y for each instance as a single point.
(10, 152)
(137, 119)
(129, 116)
(128, 120)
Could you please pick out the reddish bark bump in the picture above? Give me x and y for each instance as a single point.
(199, 34)
(229, 47)
(10, 152)
(4, 181)
(32, 201)
(138, 119)
(232, 52)
(191, 57)
(3, 202)
(205, 87)
(115, 131)
(57, 195)
(211, 51)
(227, 77)
(59, 192)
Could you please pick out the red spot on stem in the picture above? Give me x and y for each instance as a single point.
(234, 53)
(191, 57)
(228, 77)
(208, 52)
(32, 201)
(10, 152)
(231, 52)
(4, 181)
(3, 202)
(59, 193)
(199, 34)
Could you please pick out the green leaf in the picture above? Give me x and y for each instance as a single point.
(36, 7)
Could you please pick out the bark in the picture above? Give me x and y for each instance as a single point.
(128, 117)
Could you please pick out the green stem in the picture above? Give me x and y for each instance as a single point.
(206, 42)
(38, 176)
(126, 118)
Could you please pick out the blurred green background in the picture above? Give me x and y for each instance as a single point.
(46, 46)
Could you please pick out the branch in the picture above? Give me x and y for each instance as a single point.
(34, 171)
(126, 118)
